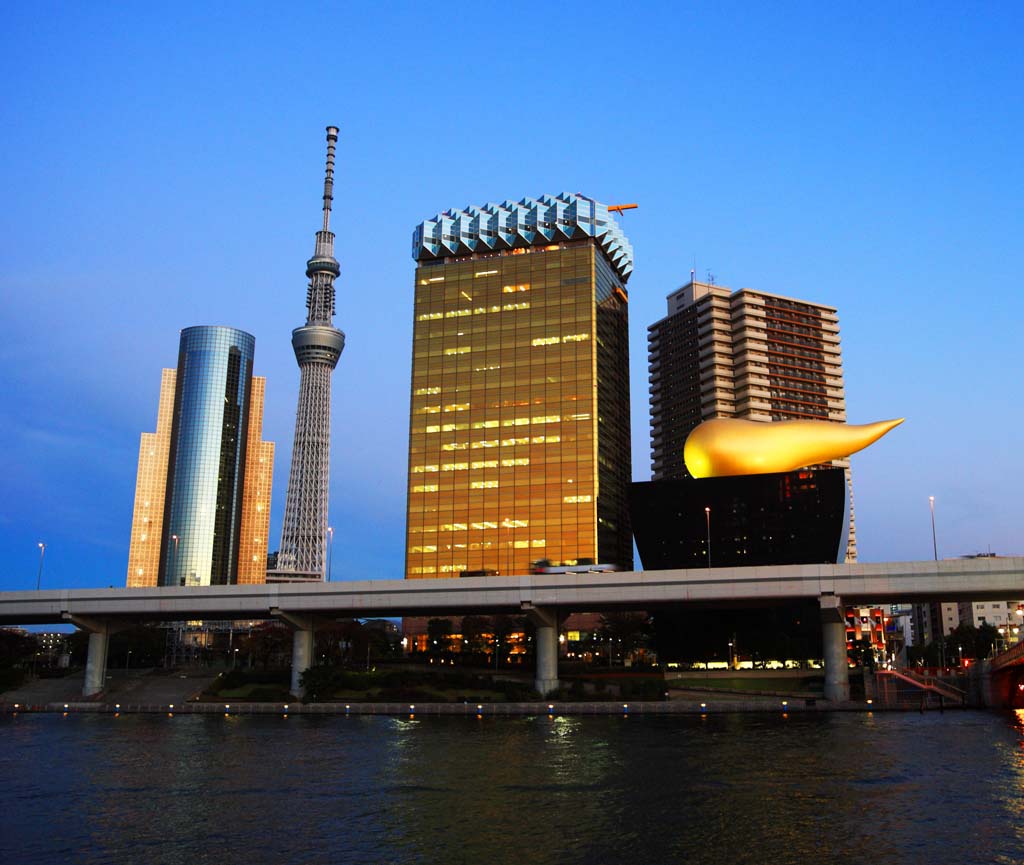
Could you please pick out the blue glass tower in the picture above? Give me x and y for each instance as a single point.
(206, 464)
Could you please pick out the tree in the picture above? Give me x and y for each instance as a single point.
(474, 631)
(503, 626)
(16, 647)
(269, 644)
(147, 645)
(378, 644)
(438, 635)
(343, 641)
(627, 631)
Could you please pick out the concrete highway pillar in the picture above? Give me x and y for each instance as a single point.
(96, 663)
(546, 622)
(833, 638)
(303, 632)
(302, 657)
(100, 632)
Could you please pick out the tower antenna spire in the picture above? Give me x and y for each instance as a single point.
(318, 345)
(332, 140)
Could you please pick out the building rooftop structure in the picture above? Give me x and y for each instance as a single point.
(512, 225)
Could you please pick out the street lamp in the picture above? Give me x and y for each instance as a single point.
(707, 516)
(730, 656)
(506, 524)
(330, 552)
(935, 546)
(39, 575)
(174, 561)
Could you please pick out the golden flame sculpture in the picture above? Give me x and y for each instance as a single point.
(728, 446)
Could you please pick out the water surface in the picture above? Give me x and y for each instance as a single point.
(843, 787)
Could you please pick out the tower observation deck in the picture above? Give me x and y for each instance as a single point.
(317, 345)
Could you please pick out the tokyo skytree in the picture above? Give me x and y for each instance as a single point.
(318, 345)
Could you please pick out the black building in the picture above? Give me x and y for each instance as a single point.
(786, 518)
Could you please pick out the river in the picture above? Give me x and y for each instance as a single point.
(731, 788)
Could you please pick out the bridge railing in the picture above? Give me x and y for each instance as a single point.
(930, 683)
(1012, 655)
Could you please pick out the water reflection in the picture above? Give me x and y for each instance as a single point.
(720, 788)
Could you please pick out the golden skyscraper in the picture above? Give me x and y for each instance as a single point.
(519, 415)
(150, 489)
(259, 476)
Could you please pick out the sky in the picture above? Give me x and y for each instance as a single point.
(162, 166)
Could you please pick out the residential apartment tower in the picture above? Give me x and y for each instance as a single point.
(745, 354)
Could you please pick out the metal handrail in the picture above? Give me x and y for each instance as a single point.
(928, 683)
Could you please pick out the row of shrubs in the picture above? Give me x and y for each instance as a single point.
(322, 683)
(624, 689)
(232, 680)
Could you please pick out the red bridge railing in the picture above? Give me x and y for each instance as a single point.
(1013, 655)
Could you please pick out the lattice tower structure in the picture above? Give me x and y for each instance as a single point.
(318, 345)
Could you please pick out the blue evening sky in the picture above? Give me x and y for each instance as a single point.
(161, 167)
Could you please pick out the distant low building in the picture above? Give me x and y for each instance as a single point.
(930, 619)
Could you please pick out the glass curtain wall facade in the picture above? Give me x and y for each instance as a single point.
(206, 463)
(202, 497)
(519, 413)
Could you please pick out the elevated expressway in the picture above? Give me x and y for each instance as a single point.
(545, 598)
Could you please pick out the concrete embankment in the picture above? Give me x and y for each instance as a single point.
(687, 707)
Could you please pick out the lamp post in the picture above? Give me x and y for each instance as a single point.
(935, 546)
(39, 574)
(330, 552)
(707, 517)
(506, 524)
(174, 560)
(730, 656)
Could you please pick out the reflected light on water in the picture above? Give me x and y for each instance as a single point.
(570, 790)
